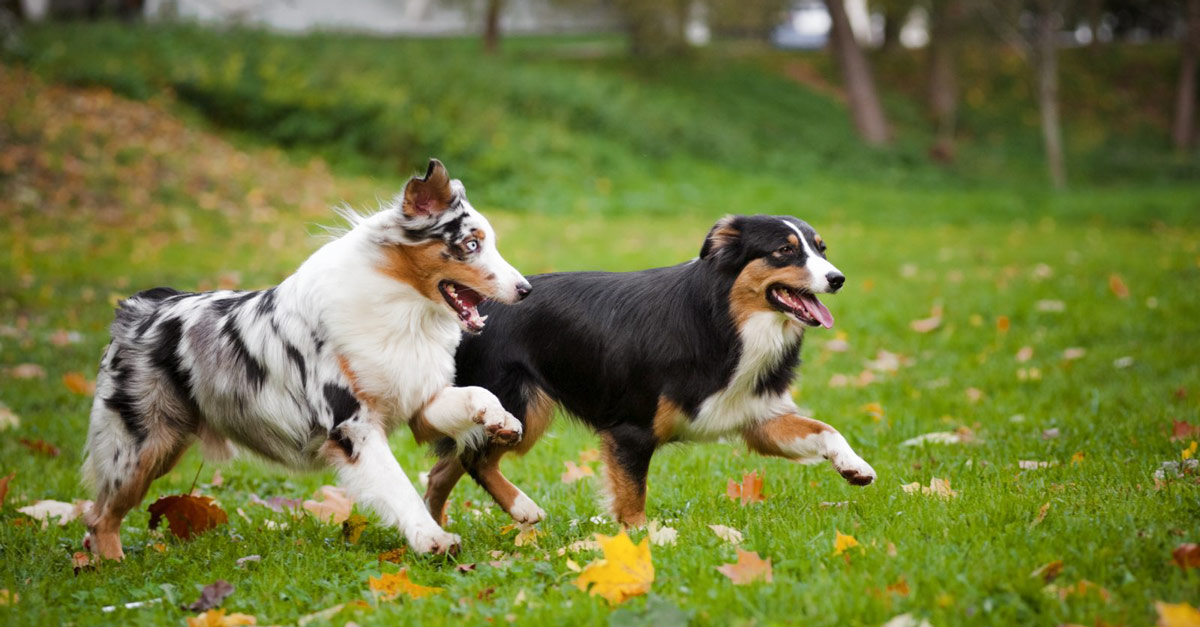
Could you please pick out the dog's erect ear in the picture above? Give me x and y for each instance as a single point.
(428, 195)
(723, 234)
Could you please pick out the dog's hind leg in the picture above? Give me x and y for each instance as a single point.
(626, 452)
(366, 467)
(442, 478)
(808, 441)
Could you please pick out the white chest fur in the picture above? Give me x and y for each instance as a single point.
(765, 338)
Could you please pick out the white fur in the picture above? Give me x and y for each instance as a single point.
(817, 266)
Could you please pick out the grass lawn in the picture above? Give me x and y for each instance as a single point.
(1040, 356)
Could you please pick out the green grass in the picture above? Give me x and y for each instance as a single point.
(98, 209)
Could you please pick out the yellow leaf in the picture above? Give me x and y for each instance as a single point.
(874, 410)
(1077, 458)
(218, 618)
(1177, 615)
(575, 472)
(624, 572)
(1190, 451)
(8, 598)
(843, 543)
(388, 586)
(352, 528)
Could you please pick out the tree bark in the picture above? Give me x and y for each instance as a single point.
(1048, 20)
(1184, 129)
(491, 26)
(943, 75)
(856, 77)
(893, 21)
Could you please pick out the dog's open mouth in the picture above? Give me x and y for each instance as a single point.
(465, 302)
(801, 305)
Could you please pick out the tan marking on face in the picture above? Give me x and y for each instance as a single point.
(628, 496)
(819, 241)
(479, 234)
(666, 420)
(749, 292)
(423, 266)
(794, 241)
(769, 437)
(722, 234)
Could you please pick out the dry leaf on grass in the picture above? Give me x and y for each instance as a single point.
(334, 506)
(389, 586)
(1116, 285)
(395, 556)
(1177, 615)
(242, 561)
(78, 383)
(81, 561)
(218, 618)
(575, 473)
(843, 543)
(8, 420)
(1041, 515)
(748, 568)
(660, 535)
(352, 528)
(46, 511)
(1187, 555)
(187, 515)
(941, 437)
(277, 503)
(748, 491)
(4, 481)
(27, 371)
(728, 534)
(527, 533)
(1181, 430)
(40, 447)
(936, 487)
(211, 596)
(874, 410)
(588, 455)
(925, 325)
(8, 598)
(1030, 464)
(906, 620)
(624, 572)
(1048, 572)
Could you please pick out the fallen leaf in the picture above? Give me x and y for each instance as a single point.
(1041, 515)
(748, 491)
(242, 561)
(1116, 285)
(906, 620)
(1073, 353)
(1177, 615)
(1050, 306)
(937, 437)
(583, 545)
(1181, 430)
(187, 515)
(899, 588)
(63, 337)
(588, 455)
(1047, 572)
(395, 556)
(211, 596)
(1029, 464)
(217, 480)
(874, 410)
(47, 510)
(526, 534)
(748, 569)
(352, 528)
(41, 447)
(660, 535)
(1123, 362)
(277, 503)
(728, 534)
(843, 543)
(1024, 354)
(575, 473)
(624, 572)
(388, 586)
(925, 325)
(78, 383)
(1002, 324)
(1077, 458)
(1188, 452)
(8, 420)
(334, 506)
(159, 546)
(974, 395)
(1079, 589)
(27, 371)
(81, 561)
(574, 566)
(1187, 555)
(936, 487)
(218, 618)
(1050, 434)
(8, 598)
(466, 568)
(4, 481)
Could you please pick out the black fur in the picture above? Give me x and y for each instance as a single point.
(341, 402)
(254, 369)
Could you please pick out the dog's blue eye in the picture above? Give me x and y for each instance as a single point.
(472, 246)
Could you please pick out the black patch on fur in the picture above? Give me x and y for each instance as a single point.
(778, 377)
(266, 302)
(158, 293)
(165, 357)
(126, 407)
(293, 353)
(147, 323)
(254, 369)
(226, 305)
(342, 403)
(337, 437)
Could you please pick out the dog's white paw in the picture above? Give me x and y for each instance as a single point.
(524, 510)
(499, 425)
(434, 540)
(853, 468)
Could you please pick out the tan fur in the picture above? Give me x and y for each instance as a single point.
(442, 478)
(425, 265)
(766, 437)
(104, 520)
(749, 292)
(428, 195)
(722, 234)
(628, 503)
(496, 484)
(666, 420)
(538, 414)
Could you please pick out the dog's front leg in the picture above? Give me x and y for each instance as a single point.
(459, 412)
(808, 441)
(366, 467)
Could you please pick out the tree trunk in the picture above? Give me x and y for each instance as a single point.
(1184, 129)
(1048, 21)
(856, 77)
(491, 26)
(943, 75)
(893, 21)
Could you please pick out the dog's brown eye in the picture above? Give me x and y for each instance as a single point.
(786, 250)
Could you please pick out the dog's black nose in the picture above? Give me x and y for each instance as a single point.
(836, 280)
(523, 290)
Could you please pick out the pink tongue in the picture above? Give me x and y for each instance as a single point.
(817, 310)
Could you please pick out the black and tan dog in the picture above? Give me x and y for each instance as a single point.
(696, 351)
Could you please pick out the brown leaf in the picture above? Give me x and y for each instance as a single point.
(1048, 572)
(1041, 515)
(187, 515)
(748, 568)
(4, 481)
(81, 562)
(211, 596)
(1116, 285)
(588, 455)
(41, 447)
(1002, 324)
(1181, 430)
(748, 491)
(27, 371)
(352, 528)
(900, 588)
(925, 325)
(79, 384)
(334, 507)
(388, 586)
(465, 568)
(8, 598)
(1187, 555)
(395, 556)
(575, 473)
